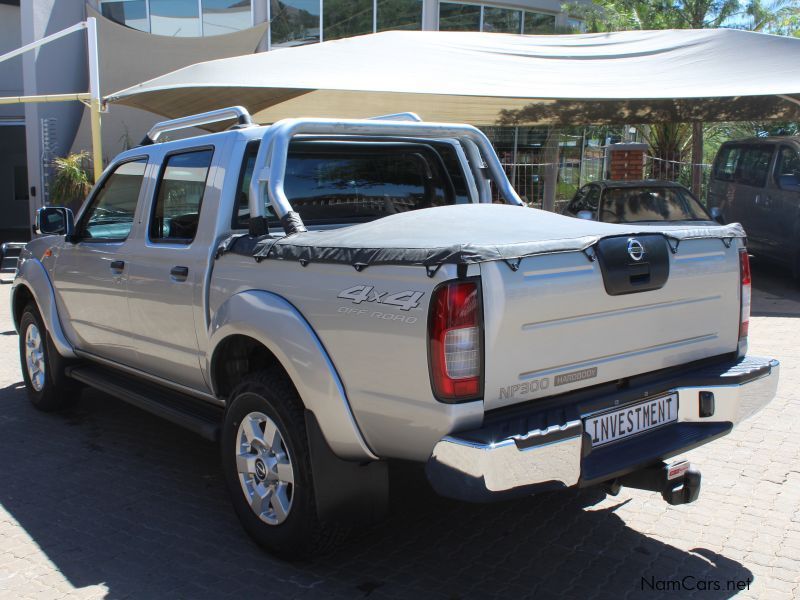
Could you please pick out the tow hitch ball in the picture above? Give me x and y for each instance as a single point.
(678, 482)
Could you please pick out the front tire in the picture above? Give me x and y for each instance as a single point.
(42, 369)
(267, 468)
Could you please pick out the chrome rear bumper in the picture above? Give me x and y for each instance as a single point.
(500, 460)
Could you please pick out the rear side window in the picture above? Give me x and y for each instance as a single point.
(754, 165)
(587, 198)
(352, 186)
(181, 186)
(109, 217)
(726, 163)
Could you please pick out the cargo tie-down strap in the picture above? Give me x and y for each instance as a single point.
(459, 235)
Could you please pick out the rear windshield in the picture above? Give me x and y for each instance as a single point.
(629, 205)
(340, 183)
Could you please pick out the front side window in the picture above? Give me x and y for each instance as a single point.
(754, 165)
(109, 217)
(788, 164)
(181, 186)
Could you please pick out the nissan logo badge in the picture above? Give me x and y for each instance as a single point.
(635, 249)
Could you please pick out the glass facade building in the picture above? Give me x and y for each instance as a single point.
(298, 22)
(181, 18)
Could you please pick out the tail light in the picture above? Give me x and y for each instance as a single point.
(746, 282)
(455, 331)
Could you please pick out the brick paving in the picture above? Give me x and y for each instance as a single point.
(107, 501)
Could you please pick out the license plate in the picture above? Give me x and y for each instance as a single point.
(620, 423)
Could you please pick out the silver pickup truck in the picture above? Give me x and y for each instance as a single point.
(325, 296)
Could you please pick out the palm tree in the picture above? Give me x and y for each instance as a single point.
(72, 181)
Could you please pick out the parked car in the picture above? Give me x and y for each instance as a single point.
(644, 201)
(756, 182)
(325, 296)
(9, 254)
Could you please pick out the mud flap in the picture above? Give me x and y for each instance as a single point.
(345, 491)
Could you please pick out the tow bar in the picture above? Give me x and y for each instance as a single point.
(678, 482)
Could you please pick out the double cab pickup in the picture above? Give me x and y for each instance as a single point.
(323, 297)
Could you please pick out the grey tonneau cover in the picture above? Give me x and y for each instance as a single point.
(460, 234)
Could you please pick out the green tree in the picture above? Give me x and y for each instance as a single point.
(72, 180)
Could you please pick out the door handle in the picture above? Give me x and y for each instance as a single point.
(179, 273)
(117, 265)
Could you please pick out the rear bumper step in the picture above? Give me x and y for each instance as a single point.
(185, 411)
(545, 449)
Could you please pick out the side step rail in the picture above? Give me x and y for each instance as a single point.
(186, 411)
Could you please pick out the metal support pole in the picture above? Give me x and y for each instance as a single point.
(45, 98)
(697, 159)
(95, 104)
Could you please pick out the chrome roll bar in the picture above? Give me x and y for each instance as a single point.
(213, 116)
(270, 166)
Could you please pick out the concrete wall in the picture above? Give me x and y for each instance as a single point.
(13, 210)
(10, 70)
(56, 68)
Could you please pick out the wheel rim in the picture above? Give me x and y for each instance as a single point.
(34, 357)
(265, 468)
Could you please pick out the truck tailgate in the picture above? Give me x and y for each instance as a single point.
(551, 326)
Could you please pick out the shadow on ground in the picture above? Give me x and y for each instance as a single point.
(114, 496)
(775, 292)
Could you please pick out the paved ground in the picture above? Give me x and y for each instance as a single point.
(107, 501)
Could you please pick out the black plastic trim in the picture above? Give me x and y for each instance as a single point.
(180, 409)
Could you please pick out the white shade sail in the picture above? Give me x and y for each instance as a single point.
(486, 78)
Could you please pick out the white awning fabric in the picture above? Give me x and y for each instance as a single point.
(486, 78)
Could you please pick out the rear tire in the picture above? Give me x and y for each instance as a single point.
(267, 467)
(42, 367)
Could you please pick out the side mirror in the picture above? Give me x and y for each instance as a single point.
(54, 220)
(587, 215)
(716, 214)
(789, 182)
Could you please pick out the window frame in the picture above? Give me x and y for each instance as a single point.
(235, 224)
(754, 147)
(418, 147)
(721, 160)
(80, 226)
(160, 178)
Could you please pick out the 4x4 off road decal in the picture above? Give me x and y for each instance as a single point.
(366, 293)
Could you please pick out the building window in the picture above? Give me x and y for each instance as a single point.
(399, 14)
(539, 23)
(293, 22)
(459, 17)
(346, 18)
(180, 18)
(131, 13)
(226, 16)
(502, 20)
(175, 18)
